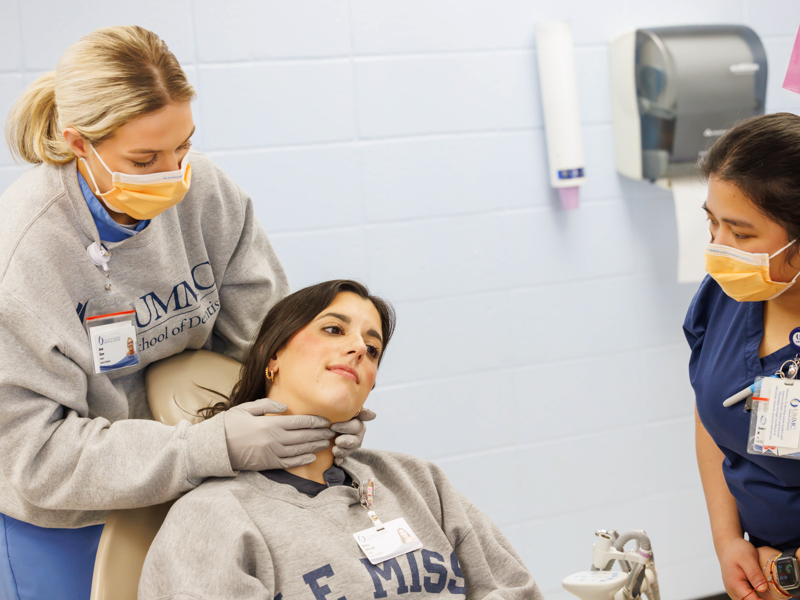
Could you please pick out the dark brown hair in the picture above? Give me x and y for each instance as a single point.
(761, 157)
(285, 319)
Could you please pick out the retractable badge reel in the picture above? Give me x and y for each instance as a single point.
(775, 413)
(110, 322)
(384, 540)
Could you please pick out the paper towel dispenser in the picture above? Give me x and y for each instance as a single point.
(675, 90)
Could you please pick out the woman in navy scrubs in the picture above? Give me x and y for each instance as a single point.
(738, 327)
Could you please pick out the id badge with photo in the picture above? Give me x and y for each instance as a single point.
(775, 418)
(111, 325)
(393, 539)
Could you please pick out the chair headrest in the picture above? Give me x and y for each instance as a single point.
(178, 386)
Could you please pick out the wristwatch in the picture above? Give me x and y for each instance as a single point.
(786, 568)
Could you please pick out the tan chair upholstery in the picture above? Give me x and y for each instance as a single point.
(175, 392)
(178, 386)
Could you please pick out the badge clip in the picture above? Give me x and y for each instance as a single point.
(367, 490)
(100, 256)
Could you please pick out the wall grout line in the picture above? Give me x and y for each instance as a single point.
(357, 125)
(396, 138)
(388, 56)
(442, 217)
(514, 369)
(550, 442)
(275, 62)
(446, 54)
(587, 511)
(520, 288)
(196, 56)
(22, 67)
(360, 141)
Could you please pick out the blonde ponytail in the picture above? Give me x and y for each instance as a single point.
(32, 130)
(105, 80)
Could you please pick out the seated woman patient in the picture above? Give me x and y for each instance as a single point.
(310, 531)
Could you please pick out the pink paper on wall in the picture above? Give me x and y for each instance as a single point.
(792, 80)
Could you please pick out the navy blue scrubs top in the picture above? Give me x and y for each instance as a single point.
(724, 336)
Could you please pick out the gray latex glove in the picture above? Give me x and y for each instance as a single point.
(352, 435)
(258, 443)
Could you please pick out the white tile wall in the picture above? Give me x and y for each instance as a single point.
(319, 186)
(415, 26)
(761, 16)
(539, 356)
(319, 255)
(11, 86)
(258, 29)
(401, 96)
(413, 178)
(10, 46)
(275, 104)
(48, 27)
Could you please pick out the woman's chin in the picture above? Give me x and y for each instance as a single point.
(339, 410)
(337, 404)
(341, 416)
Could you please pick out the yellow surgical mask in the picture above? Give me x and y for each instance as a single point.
(744, 276)
(144, 196)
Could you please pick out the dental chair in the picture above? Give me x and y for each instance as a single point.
(177, 387)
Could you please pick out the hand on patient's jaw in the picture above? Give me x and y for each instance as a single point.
(351, 435)
(256, 443)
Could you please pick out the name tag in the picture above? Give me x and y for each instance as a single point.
(114, 346)
(393, 539)
(775, 418)
(112, 332)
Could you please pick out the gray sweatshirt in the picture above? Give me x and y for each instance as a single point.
(73, 444)
(250, 537)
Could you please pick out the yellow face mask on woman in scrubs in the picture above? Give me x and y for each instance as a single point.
(144, 196)
(744, 276)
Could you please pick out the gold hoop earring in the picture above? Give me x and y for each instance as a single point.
(270, 373)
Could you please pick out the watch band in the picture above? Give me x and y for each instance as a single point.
(790, 552)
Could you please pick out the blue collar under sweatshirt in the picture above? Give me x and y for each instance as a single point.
(108, 228)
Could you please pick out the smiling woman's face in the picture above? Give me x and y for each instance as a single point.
(329, 366)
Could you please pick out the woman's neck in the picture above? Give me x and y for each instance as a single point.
(788, 303)
(315, 470)
(779, 316)
(324, 458)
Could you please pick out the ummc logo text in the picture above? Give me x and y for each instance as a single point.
(191, 303)
(150, 308)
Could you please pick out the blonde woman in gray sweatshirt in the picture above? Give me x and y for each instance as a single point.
(118, 204)
(381, 525)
